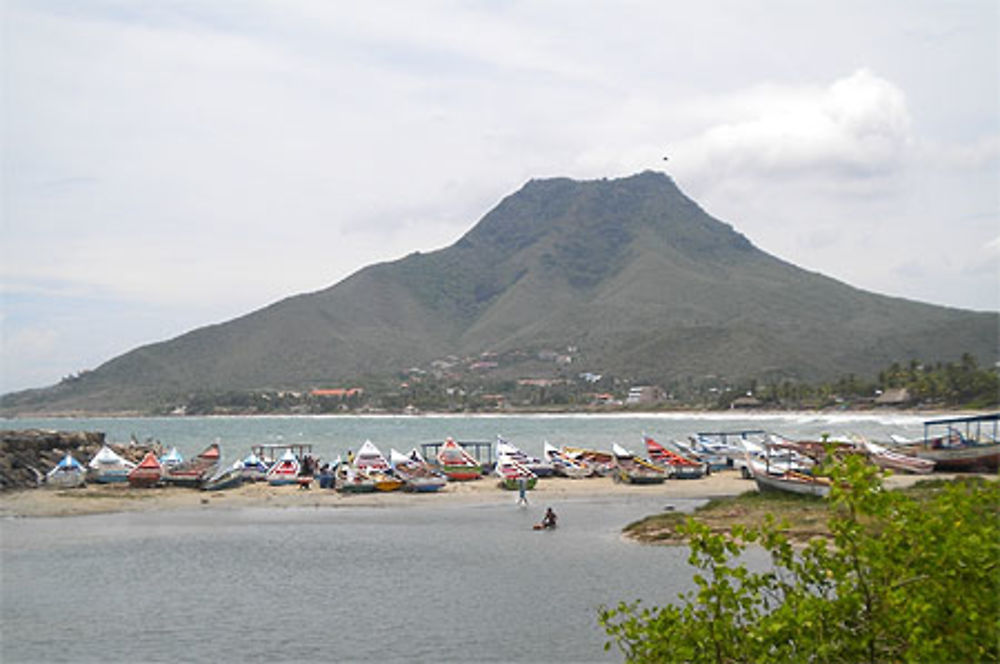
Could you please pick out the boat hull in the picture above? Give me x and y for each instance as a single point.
(514, 483)
(65, 480)
(356, 487)
(229, 480)
(108, 476)
(462, 473)
(971, 458)
(144, 480)
(424, 486)
(802, 487)
(388, 484)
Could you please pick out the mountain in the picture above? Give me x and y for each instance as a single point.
(631, 272)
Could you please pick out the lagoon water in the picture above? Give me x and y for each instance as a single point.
(427, 582)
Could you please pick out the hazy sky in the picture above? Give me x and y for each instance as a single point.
(171, 164)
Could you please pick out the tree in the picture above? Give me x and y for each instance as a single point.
(902, 578)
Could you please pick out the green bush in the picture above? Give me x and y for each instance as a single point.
(902, 578)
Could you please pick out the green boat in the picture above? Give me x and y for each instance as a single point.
(512, 473)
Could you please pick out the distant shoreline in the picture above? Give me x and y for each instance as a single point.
(541, 414)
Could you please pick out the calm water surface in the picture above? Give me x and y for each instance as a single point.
(429, 582)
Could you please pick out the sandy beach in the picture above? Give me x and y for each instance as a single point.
(98, 498)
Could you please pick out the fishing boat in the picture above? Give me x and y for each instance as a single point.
(456, 463)
(715, 446)
(371, 462)
(416, 473)
(788, 481)
(148, 473)
(540, 467)
(635, 470)
(681, 467)
(352, 480)
(108, 467)
(602, 463)
(227, 477)
(565, 465)
(194, 471)
(888, 459)
(513, 473)
(959, 444)
(68, 473)
(254, 468)
(171, 458)
(370, 458)
(285, 470)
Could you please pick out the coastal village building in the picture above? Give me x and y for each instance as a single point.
(644, 394)
(894, 397)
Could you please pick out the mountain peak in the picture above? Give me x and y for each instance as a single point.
(630, 270)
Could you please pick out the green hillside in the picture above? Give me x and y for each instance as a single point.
(631, 272)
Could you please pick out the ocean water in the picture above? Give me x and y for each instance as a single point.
(333, 435)
(427, 582)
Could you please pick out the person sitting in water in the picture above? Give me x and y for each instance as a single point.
(549, 520)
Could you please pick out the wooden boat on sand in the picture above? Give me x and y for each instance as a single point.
(148, 473)
(788, 481)
(634, 470)
(254, 468)
(108, 466)
(68, 473)
(959, 444)
(565, 465)
(192, 472)
(456, 463)
(285, 470)
(416, 473)
(679, 466)
(540, 467)
(888, 459)
(512, 473)
(227, 477)
(602, 463)
(352, 480)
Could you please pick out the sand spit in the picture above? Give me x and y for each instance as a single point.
(103, 498)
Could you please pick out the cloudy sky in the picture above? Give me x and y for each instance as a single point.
(171, 164)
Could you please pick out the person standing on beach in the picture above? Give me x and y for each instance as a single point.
(522, 489)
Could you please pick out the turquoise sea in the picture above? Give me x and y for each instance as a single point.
(441, 582)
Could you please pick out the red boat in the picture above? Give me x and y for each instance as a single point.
(191, 473)
(680, 466)
(456, 463)
(148, 473)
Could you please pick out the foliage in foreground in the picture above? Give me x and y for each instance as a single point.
(901, 579)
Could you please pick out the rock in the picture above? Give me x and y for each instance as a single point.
(25, 456)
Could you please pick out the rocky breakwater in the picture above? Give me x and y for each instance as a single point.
(25, 456)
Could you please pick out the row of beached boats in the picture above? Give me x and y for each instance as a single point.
(773, 461)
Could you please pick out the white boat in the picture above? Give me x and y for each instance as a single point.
(227, 477)
(789, 481)
(565, 465)
(108, 466)
(679, 465)
(254, 468)
(635, 470)
(540, 467)
(513, 474)
(888, 459)
(370, 458)
(285, 470)
(416, 473)
(171, 458)
(67, 474)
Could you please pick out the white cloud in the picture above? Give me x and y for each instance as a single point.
(855, 128)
